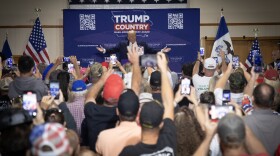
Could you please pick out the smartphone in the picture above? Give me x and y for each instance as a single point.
(235, 62)
(226, 97)
(278, 65)
(9, 62)
(258, 63)
(216, 59)
(113, 59)
(30, 103)
(54, 89)
(148, 60)
(140, 50)
(201, 50)
(34, 69)
(70, 67)
(217, 112)
(185, 86)
(66, 59)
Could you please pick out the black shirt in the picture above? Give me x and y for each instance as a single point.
(5, 102)
(98, 118)
(166, 144)
(157, 96)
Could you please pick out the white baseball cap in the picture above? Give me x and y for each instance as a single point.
(210, 63)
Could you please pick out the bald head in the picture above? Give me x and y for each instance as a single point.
(131, 36)
(263, 95)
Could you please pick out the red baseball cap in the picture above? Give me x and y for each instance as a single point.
(113, 88)
(271, 74)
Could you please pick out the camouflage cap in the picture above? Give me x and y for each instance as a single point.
(96, 71)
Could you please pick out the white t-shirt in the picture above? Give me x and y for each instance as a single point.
(201, 84)
(236, 97)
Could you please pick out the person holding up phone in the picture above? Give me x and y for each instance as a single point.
(201, 83)
(26, 80)
(237, 83)
(242, 140)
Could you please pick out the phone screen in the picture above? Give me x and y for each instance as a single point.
(235, 62)
(9, 62)
(148, 60)
(54, 89)
(70, 67)
(66, 59)
(140, 50)
(30, 103)
(226, 96)
(278, 65)
(258, 63)
(217, 112)
(113, 59)
(185, 86)
(34, 69)
(201, 50)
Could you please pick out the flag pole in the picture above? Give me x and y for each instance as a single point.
(255, 31)
(222, 12)
(37, 11)
(6, 35)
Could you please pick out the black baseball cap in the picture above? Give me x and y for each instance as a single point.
(155, 79)
(151, 115)
(12, 117)
(128, 104)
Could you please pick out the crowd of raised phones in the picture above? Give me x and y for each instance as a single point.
(212, 108)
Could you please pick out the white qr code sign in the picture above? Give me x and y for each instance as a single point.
(175, 21)
(87, 22)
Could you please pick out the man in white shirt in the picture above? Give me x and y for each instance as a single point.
(201, 83)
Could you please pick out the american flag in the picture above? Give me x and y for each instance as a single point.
(255, 49)
(36, 46)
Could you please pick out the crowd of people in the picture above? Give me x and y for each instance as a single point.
(219, 110)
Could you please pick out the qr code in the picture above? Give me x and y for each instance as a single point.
(175, 21)
(87, 22)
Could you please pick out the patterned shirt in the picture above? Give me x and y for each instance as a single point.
(77, 110)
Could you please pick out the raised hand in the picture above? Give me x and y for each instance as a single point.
(58, 60)
(100, 49)
(133, 55)
(165, 49)
(73, 59)
(162, 62)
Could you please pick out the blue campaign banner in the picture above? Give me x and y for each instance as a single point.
(178, 29)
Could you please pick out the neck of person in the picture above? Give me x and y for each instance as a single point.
(29, 74)
(209, 73)
(150, 137)
(234, 151)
